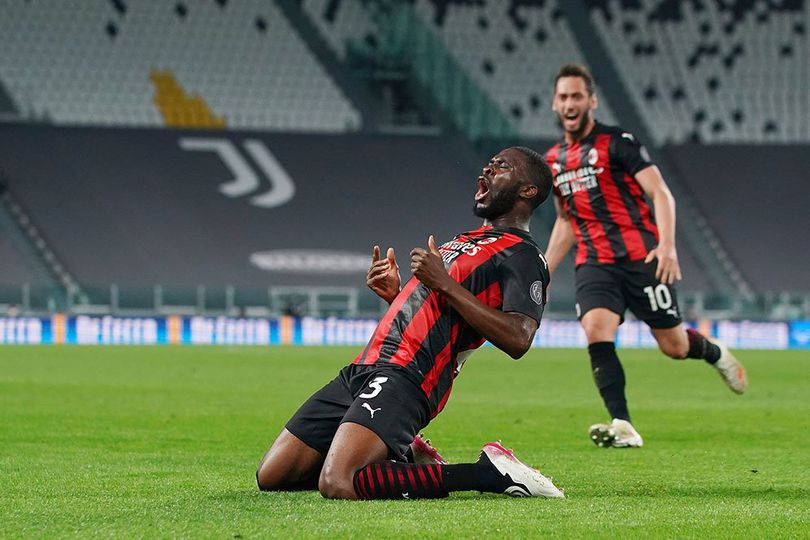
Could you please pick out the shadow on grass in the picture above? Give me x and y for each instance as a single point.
(262, 497)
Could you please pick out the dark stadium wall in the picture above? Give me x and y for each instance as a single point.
(136, 208)
(139, 207)
(756, 198)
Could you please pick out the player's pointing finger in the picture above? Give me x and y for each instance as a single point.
(375, 254)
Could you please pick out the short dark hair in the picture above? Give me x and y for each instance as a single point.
(539, 174)
(576, 70)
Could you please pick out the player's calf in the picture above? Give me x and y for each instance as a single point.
(673, 343)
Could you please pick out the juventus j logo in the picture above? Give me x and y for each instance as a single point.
(245, 180)
(370, 410)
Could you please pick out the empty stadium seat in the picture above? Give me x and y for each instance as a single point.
(513, 50)
(339, 22)
(90, 64)
(514, 60)
(713, 71)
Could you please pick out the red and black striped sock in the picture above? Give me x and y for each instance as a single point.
(394, 480)
(702, 348)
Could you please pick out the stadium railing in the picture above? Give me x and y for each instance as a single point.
(344, 302)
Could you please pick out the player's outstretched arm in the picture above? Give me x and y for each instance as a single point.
(383, 275)
(510, 332)
(654, 186)
(561, 239)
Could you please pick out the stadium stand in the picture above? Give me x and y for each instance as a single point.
(106, 63)
(340, 22)
(733, 71)
(526, 42)
(518, 34)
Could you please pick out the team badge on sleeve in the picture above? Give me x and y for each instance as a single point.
(536, 292)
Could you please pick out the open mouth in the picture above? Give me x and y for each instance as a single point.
(571, 118)
(483, 190)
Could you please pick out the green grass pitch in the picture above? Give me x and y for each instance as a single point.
(164, 441)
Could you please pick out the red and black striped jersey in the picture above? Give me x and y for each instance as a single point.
(502, 267)
(594, 180)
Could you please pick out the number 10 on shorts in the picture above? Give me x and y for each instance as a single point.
(660, 297)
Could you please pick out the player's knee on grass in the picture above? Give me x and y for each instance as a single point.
(334, 484)
(274, 477)
(289, 465)
(270, 477)
(262, 483)
(353, 447)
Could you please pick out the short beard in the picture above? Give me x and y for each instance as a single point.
(499, 204)
(583, 121)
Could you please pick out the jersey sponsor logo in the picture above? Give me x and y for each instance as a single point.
(454, 248)
(536, 292)
(370, 410)
(245, 179)
(580, 179)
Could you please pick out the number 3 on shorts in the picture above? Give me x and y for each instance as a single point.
(376, 387)
(660, 297)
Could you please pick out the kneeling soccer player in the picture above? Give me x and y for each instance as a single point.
(353, 438)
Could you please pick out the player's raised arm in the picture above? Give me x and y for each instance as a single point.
(383, 275)
(561, 239)
(510, 332)
(654, 186)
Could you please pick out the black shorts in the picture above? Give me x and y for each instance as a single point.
(632, 285)
(382, 398)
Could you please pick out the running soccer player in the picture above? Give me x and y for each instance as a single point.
(351, 438)
(625, 254)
